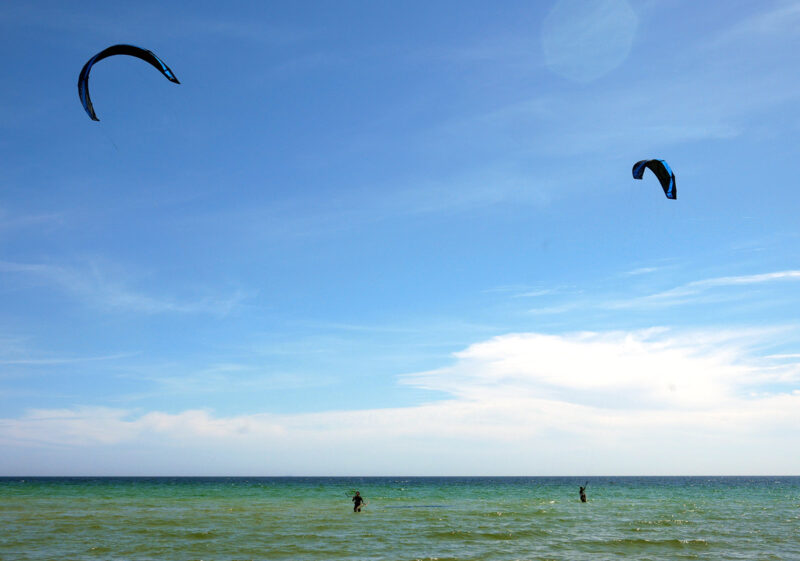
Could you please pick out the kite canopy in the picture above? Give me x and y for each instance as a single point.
(662, 171)
(144, 54)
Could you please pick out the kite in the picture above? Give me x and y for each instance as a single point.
(144, 54)
(662, 171)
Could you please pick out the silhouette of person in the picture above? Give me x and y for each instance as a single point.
(357, 502)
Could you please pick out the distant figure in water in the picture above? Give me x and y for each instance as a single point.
(583, 494)
(358, 501)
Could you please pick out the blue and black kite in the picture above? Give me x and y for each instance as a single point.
(144, 54)
(662, 171)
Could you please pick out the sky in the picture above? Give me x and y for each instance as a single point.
(400, 238)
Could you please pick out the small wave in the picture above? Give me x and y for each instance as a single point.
(674, 543)
(663, 522)
(467, 535)
(200, 534)
(417, 506)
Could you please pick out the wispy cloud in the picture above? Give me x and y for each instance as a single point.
(557, 308)
(94, 286)
(506, 50)
(222, 378)
(58, 361)
(789, 356)
(523, 291)
(641, 271)
(778, 21)
(706, 102)
(584, 40)
(148, 20)
(478, 188)
(12, 220)
(693, 290)
(255, 30)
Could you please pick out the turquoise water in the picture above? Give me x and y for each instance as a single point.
(299, 519)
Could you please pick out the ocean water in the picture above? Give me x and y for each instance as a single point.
(405, 518)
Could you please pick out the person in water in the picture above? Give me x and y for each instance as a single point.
(358, 500)
(583, 494)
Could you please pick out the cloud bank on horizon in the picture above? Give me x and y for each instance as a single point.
(633, 402)
(401, 239)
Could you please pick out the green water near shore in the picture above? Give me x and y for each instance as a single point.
(406, 518)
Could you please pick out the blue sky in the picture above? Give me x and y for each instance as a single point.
(400, 238)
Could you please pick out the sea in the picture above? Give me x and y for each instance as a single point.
(404, 519)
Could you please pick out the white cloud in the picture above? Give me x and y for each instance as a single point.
(632, 370)
(68, 427)
(622, 398)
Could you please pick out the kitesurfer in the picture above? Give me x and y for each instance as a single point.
(583, 493)
(357, 502)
